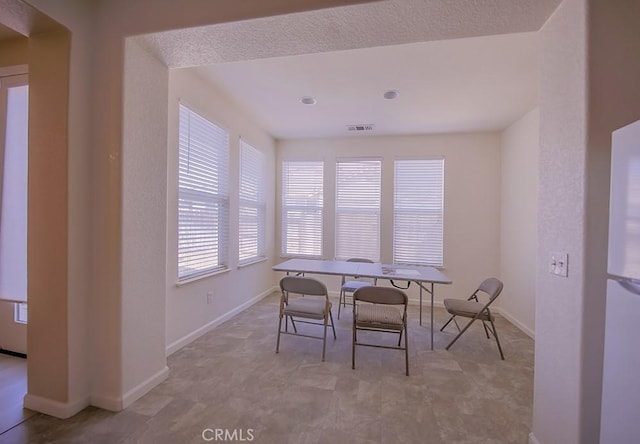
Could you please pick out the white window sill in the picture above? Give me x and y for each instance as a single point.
(202, 276)
(252, 262)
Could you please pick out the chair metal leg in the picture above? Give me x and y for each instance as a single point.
(324, 338)
(460, 334)
(406, 349)
(486, 331)
(340, 303)
(495, 333)
(279, 330)
(353, 342)
(333, 326)
(450, 319)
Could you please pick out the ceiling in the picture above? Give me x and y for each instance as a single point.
(459, 65)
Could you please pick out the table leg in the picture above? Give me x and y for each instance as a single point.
(420, 304)
(432, 316)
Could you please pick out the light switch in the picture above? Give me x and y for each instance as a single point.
(559, 264)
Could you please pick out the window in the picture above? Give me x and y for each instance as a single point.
(20, 313)
(358, 208)
(203, 198)
(302, 202)
(252, 204)
(418, 212)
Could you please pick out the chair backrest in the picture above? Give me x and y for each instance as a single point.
(303, 285)
(381, 295)
(491, 286)
(361, 260)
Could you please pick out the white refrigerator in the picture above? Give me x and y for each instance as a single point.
(620, 417)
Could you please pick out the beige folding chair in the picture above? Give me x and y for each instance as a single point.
(475, 310)
(310, 301)
(382, 309)
(347, 287)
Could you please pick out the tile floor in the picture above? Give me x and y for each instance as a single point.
(229, 385)
(13, 386)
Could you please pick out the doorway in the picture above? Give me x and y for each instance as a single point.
(14, 102)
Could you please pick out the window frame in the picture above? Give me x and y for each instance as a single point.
(257, 160)
(215, 199)
(345, 210)
(308, 209)
(436, 260)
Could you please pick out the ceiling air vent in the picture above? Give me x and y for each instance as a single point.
(360, 127)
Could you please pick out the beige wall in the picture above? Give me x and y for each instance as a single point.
(561, 225)
(188, 313)
(85, 320)
(519, 220)
(14, 52)
(588, 88)
(472, 197)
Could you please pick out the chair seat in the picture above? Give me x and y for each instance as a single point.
(467, 309)
(379, 316)
(306, 307)
(354, 285)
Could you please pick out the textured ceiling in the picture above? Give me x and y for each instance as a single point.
(450, 77)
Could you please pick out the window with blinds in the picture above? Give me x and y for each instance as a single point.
(418, 212)
(302, 208)
(203, 196)
(252, 204)
(358, 183)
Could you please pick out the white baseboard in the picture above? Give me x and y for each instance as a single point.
(107, 402)
(533, 439)
(115, 404)
(143, 388)
(177, 345)
(526, 330)
(62, 410)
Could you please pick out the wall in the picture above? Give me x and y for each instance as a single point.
(14, 52)
(144, 199)
(561, 225)
(577, 118)
(87, 315)
(519, 220)
(472, 198)
(188, 314)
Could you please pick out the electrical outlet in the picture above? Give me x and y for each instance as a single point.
(209, 297)
(559, 264)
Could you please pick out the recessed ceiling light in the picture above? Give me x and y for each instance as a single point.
(391, 94)
(308, 100)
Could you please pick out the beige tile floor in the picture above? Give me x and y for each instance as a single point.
(13, 386)
(231, 381)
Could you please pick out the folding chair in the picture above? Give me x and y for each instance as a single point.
(475, 310)
(382, 309)
(309, 301)
(351, 285)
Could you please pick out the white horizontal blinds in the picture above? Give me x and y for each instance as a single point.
(418, 212)
(358, 209)
(252, 204)
(203, 196)
(302, 208)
